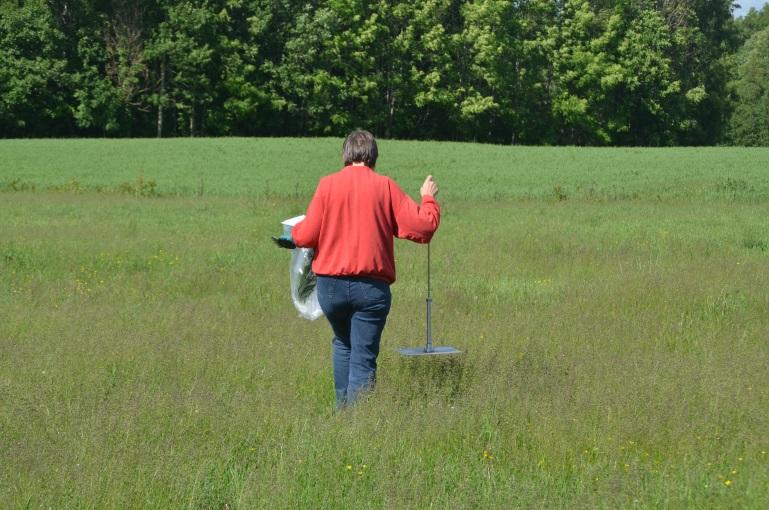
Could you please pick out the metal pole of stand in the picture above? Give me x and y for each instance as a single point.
(429, 349)
(429, 346)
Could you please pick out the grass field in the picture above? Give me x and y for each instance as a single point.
(612, 305)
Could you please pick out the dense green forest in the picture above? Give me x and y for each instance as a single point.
(624, 72)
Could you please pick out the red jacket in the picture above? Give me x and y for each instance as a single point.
(352, 219)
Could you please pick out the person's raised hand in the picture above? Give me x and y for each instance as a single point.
(429, 188)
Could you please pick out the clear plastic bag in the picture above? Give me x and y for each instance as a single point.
(304, 293)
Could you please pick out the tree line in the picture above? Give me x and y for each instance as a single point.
(600, 72)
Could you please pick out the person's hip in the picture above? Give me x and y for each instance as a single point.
(355, 292)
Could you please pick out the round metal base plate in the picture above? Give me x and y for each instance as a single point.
(420, 351)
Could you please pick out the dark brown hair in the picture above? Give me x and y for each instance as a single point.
(360, 147)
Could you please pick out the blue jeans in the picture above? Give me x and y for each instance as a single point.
(357, 310)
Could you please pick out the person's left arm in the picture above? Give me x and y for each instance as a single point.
(415, 222)
(306, 233)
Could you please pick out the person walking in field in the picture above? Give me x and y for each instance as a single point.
(351, 222)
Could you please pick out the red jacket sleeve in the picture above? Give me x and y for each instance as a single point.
(306, 233)
(412, 221)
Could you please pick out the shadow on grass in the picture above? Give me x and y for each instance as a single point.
(422, 377)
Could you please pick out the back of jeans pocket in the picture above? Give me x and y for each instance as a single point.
(376, 291)
(326, 287)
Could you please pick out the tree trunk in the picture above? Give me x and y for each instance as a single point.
(390, 111)
(192, 120)
(162, 96)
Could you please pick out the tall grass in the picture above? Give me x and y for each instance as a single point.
(289, 167)
(615, 341)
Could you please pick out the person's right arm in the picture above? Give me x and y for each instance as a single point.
(416, 222)
(305, 234)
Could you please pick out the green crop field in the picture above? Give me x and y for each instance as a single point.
(611, 304)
